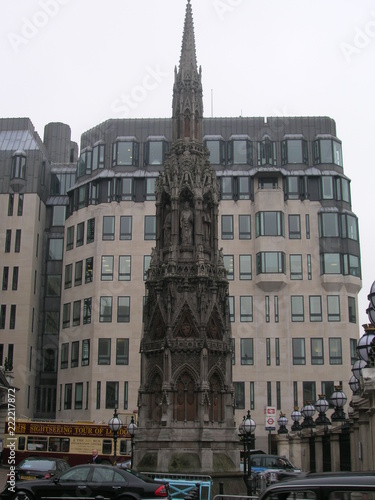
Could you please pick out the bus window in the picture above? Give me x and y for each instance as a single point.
(37, 443)
(21, 443)
(107, 447)
(123, 447)
(58, 444)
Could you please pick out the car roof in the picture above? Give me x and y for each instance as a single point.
(327, 479)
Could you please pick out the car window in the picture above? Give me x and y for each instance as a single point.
(271, 462)
(102, 475)
(75, 475)
(255, 461)
(294, 495)
(352, 495)
(42, 465)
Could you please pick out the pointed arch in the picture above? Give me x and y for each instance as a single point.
(154, 409)
(185, 397)
(216, 398)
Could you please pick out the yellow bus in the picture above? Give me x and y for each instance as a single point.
(73, 441)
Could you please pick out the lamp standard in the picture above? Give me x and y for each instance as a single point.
(338, 399)
(115, 424)
(283, 422)
(308, 412)
(296, 417)
(247, 428)
(132, 427)
(322, 406)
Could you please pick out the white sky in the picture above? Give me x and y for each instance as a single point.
(84, 61)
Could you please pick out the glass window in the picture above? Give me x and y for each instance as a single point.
(329, 224)
(353, 351)
(107, 268)
(293, 187)
(245, 267)
(51, 322)
(146, 265)
(53, 285)
(55, 251)
(67, 397)
(349, 227)
(126, 189)
(294, 227)
(78, 396)
(267, 308)
(309, 267)
(229, 266)
(78, 273)
(299, 355)
(70, 238)
(12, 319)
(232, 317)
(122, 351)
(8, 240)
(98, 156)
(5, 278)
(105, 313)
(125, 153)
(66, 315)
(108, 227)
(18, 166)
(239, 395)
(20, 205)
(335, 351)
(266, 152)
(240, 152)
(150, 227)
(87, 310)
(111, 395)
(64, 355)
(126, 227)
(226, 188)
(268, 183)
(98, 394)
(345, 190)
(10, 204)
(85, 360)
(89, 268)
(76, 313)
(352, 310)
(246, 309)
(315, 303)
(227, 227)
(82, 196)
(309, 391)
(17, 243)
(244, 227)
(80, 234)
(247, 352)
(297, 308)
(327, 187)
(74, 354)
(58, 215)
(150, 188)
(333, 308)
(330, 263)
(351, 265)
(217, 151)
(243, 188)
(270, 262)
(104, 352)
(124, 268)
(296, 267)
(294, 151)
(269, 224)
(123, 310)
(90, 230)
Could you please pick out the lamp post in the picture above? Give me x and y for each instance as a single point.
(282, 422)
(246, 429)
(115, 424)
(338, 399)
(132, 427)
(322, 406)
(296, 417)
(308, 412)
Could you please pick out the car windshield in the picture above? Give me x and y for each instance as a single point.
(38, 464)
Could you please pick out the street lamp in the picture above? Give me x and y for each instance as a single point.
(338, 400)
(132, 427)
(296, 417)
(115, 424)
(246, 429)
(308, 412)
(322, 406)
(282, 422)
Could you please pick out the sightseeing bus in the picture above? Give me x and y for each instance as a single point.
(73, 441)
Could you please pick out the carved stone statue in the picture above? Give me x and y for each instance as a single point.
(186, 225)
(206, 222)
(167, 227)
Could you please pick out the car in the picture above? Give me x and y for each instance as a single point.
(89, 481)
(40, 468)
(324, 486)
(274, 466)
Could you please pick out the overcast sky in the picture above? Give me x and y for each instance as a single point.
(84, 61)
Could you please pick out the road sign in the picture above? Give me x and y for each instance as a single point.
(270, 416)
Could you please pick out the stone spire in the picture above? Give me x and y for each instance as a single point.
(187, 106)
(186, 396)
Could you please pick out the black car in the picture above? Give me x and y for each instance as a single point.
(40, 468)
(90, 481)
(324, 486)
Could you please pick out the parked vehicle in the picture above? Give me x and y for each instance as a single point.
(324, 486)
(40, 468)
(274, 466)
(90, 481)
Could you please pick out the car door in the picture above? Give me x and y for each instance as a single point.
(71, 484)
(107, 482)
